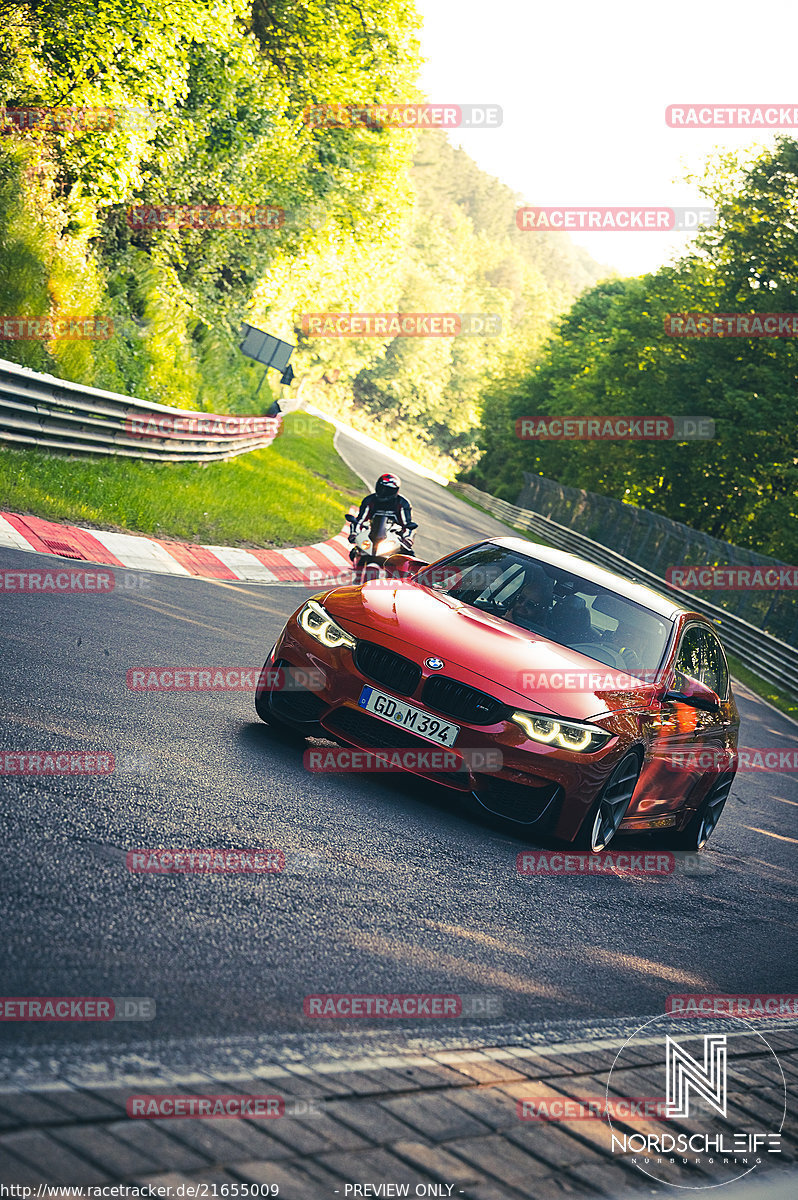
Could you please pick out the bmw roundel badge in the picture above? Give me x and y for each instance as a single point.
(434, 664)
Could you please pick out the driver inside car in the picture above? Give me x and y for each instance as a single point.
(628, 644)
(531, 607)
(570, 621)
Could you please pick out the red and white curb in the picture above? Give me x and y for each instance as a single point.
(312, 565)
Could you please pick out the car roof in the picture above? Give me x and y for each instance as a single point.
(646, 597)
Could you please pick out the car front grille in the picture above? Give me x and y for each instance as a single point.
(392, 670)
(465, 703)
(517, 801)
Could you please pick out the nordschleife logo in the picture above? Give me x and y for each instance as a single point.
(683, 1072)
(723, 1101)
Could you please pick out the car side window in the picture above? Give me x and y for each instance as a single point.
(718, 669)
(688, 659)
(700, 657)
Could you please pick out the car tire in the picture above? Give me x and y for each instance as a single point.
(703, 822)
(601, 823)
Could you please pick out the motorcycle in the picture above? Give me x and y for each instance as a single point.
(376, 542)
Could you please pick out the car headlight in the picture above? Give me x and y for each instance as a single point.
(568, 735)
(319, 624)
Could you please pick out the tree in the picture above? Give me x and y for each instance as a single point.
(610, 355)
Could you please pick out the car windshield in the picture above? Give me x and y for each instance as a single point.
(556, 604)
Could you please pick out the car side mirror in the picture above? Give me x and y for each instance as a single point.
(403, 566)
(697, 695)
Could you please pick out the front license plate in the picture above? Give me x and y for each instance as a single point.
(397, 712)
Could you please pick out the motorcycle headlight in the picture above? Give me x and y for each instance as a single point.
(567, 735)
(319, 624)
(383, 547)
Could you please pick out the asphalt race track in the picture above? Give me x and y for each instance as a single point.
(391, 887)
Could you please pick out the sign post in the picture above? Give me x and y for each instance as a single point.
(269, 350)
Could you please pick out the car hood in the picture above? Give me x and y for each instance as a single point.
(522, 669)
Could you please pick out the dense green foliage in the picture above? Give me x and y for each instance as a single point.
(210, 103)
(465, 254)
(610, 355)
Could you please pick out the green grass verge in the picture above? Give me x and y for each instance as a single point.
(294, 492)
(783, 701)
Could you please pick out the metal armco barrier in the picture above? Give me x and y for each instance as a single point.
(55, 414)
(770, 658)
(655, 542)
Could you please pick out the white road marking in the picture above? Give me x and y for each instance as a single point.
(243, 564)
(11, 539)
(335, 557)
(138, 552)
(297, 559)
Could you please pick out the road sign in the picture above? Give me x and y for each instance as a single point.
(265, 348)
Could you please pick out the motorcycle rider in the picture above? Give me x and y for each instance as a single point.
(385, 499)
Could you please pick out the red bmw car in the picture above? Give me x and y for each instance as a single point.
(571, 702)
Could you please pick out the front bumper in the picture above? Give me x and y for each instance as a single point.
(536, 784)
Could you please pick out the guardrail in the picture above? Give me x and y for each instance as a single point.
(773, 660)
(655, 542)
(42, 411)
